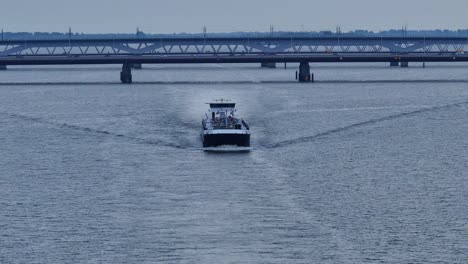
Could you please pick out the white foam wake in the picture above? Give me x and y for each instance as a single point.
(228, 149)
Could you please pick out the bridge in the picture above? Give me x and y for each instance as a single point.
(265, 49)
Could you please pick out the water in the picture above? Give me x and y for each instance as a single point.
(368, 165)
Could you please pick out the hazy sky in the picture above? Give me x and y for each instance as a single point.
(157, 16)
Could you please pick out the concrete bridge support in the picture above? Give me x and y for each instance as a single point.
(3, 67)
(270, 65)
(404, 64)
(304, 73)
(126, 73)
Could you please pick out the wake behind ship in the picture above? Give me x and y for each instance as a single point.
(222, 128)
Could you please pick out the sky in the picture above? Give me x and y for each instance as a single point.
(169, 16)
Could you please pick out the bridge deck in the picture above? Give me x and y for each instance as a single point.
(182, 59)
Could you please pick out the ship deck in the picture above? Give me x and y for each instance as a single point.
(224, 123)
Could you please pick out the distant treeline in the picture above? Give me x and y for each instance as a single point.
(139, 34)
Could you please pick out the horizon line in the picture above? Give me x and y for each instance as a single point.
(335, 31)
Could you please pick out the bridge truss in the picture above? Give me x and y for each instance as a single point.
(232, 46)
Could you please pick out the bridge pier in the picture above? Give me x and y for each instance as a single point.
(304, 73)
(126, 73)
(3, 67)
(394, 64)
(404, 64)
(271, 65)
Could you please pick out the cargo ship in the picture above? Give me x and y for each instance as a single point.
(221, 127)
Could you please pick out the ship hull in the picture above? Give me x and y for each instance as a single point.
(226, 139)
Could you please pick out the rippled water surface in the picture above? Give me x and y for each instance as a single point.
(367, 165)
